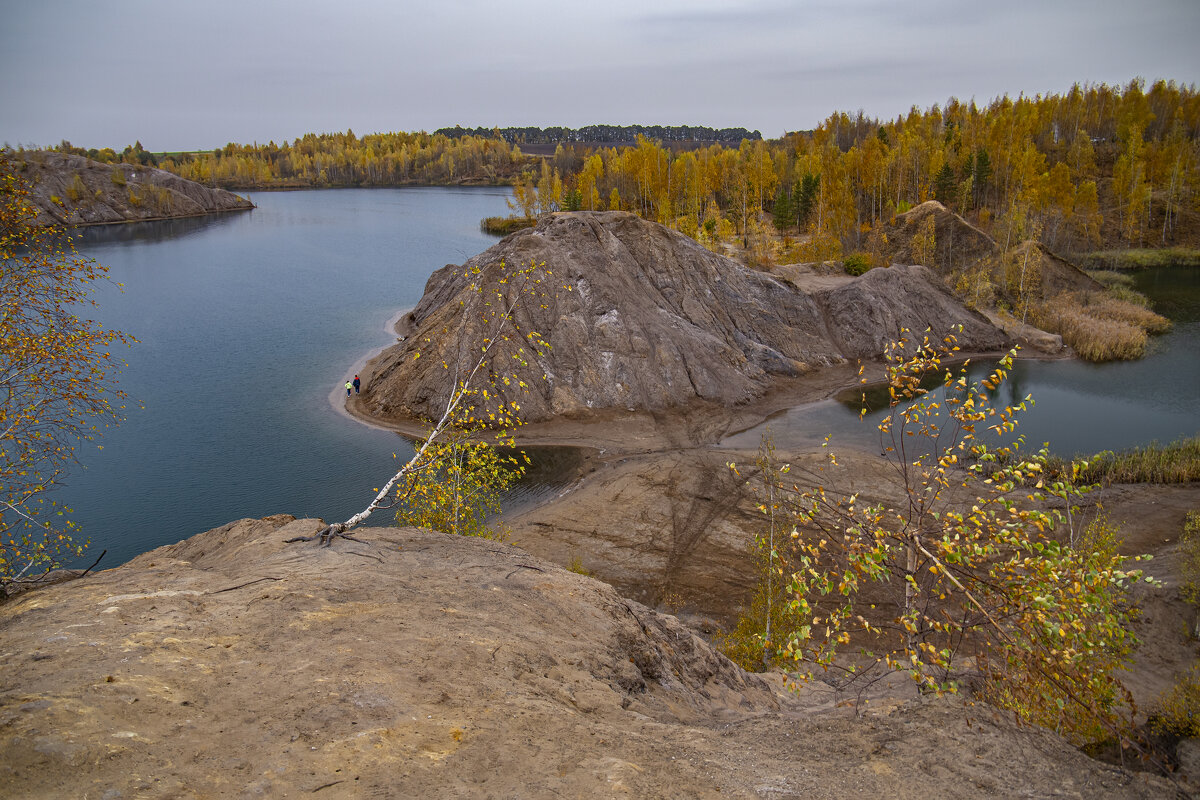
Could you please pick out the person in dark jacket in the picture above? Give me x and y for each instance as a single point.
(357, 383)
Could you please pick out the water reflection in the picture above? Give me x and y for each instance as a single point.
(155, 230)
(551, 471)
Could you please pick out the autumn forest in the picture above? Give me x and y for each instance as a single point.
(1097, 167)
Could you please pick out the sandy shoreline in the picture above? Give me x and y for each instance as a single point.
(364, 367)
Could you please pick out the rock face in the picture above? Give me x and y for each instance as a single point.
(91, 193)
(415, 664)
(652, 321)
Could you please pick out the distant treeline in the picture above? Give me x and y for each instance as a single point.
(607, 134)
(1100, 166)
(337, 159)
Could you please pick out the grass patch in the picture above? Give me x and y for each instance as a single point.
(1100, 327)
(1129, 295)
(502, 226)
(1189, 560)
(1138, 258)
(1178, 462)
(1111, 278)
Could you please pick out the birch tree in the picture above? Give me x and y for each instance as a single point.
(57, 381)
(455, 475)
(971, 573)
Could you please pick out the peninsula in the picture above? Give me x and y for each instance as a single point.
(71, 190)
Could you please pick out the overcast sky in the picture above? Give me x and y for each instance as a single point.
(182, 75)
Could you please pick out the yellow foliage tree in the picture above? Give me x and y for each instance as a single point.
(454, 480)
(56, 378)
(966, 576)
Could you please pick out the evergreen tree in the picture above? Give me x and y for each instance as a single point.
(944, 185)
(784, 212)
(806, 197)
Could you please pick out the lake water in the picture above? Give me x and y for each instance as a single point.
(1079, 408)
(250, 323)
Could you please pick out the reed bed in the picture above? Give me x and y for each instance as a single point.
(1100, 327)
(502, 226)
(1113, 306)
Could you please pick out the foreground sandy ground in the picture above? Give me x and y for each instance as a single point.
(414, 664)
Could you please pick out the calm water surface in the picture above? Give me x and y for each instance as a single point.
(1079, 408)
(249, 323)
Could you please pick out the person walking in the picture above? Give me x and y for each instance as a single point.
(357, 383)
(349, 386)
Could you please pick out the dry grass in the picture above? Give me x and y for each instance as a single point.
(1100, 327)
(1110, 278)
(1115, 307)
(502, 226)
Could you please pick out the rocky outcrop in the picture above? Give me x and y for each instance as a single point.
(73, 190)
(415, 664)
(651, 321)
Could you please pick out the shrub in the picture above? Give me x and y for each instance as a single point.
(117, 176)
(937, 584)
(975, 287)
(857, 264)
(1189, 558)
(76, 190)
(754, 642)
(1178, 711)
(1044, 697)
(58, 371)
